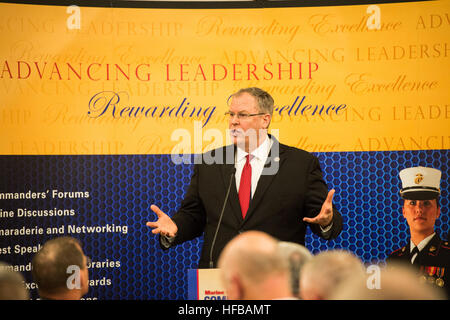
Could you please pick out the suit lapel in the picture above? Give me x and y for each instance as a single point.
(227, 170)
(275, 159)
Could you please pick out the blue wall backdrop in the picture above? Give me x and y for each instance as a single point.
(128, 262)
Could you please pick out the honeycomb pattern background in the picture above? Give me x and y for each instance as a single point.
(122, 188)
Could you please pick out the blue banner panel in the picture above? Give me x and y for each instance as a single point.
(104, 201)
(192, 276)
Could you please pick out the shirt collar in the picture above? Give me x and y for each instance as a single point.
(260, 153)
(422, 244)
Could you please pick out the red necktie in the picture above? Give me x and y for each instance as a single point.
(245, 186)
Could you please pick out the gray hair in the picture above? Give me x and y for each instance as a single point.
(296, 256)
(397, 282)
(12, 284)
(327, 270)
(263, 98)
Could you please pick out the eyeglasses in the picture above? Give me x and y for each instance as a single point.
(242, 115)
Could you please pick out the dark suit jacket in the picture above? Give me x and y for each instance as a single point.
(431, 260)
(278, 206)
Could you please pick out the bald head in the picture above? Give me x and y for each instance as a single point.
(252, 253)
(51, 266)
(249, 260)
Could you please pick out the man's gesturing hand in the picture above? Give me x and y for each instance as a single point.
(164, 224)
(325, 216)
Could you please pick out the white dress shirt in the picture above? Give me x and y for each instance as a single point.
(422, 244)
(260, 155)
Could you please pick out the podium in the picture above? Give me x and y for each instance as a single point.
(205, 284)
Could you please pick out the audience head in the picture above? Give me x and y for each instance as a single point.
(327, 270)
(252, 268)
(60, 269)
(12, 285)
(296, 256)
(396, 282)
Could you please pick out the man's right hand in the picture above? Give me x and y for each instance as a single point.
(164, 225)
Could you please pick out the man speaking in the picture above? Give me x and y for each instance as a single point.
(254, 184)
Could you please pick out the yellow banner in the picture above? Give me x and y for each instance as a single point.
(76, 80)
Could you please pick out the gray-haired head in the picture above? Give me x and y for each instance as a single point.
(296, 256)
(396, 282)
(325, 271)
(12, 284)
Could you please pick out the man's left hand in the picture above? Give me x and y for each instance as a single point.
(325, 216)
